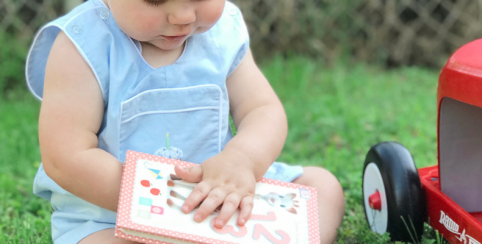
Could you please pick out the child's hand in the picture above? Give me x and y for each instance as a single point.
(227, 179)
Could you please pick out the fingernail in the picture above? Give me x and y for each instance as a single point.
(219, 223)
(197, 218)
(243, 222)
(185, 209)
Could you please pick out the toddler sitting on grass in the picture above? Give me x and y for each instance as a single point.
(117, 75)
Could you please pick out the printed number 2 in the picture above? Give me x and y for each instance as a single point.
(258, 229)
(270, 217)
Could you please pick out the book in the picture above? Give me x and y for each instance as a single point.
(151, 197)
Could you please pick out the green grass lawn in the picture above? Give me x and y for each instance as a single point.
(335, 115)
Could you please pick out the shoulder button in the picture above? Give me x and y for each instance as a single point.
(104, 14)
(77, 29)
(232, 11)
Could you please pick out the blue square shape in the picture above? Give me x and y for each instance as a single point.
(145, 201)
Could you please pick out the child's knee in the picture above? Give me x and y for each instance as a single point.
(319, 178)
(326, 183)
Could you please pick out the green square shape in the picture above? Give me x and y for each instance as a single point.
(143, 214)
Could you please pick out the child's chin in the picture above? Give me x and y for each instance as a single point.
(170, 45)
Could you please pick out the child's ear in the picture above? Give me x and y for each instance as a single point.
(290, 195)
(292, 210)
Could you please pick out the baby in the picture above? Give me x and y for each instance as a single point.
(118, 75)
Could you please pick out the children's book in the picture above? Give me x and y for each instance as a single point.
(152, 195)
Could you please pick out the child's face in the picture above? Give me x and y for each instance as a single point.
(165, 23)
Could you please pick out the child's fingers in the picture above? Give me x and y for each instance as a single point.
(198, 194)
(230, 205)
(191, 174)
(214, 199)
(246, 207)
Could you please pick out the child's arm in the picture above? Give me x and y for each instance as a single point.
(229, 177)
(70, 117)
(258, 116)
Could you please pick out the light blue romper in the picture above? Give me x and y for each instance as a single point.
(187, 99)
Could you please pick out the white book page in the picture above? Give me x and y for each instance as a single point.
(156, 204)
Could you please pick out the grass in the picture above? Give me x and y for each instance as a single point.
(335, 115)
(24, 218)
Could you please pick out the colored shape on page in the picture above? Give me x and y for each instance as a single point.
(145, 183)
(305, 193)
(157, 210)
(155, 173)
(145, 201)
(143, 214)
(155, 192)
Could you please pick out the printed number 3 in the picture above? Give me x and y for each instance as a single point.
(230, 229)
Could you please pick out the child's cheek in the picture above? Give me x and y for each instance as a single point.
(146, 22)
(149, 23)
(212, 14)
(142, 29)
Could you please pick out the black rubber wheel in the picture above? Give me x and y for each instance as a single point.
(400, 210)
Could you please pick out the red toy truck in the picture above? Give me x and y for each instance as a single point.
(398, 198)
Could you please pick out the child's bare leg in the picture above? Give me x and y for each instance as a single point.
(331, 202)
(105, 237)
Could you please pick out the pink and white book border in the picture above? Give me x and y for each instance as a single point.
(124, 220)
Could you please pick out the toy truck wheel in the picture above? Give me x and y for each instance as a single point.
(392, 193)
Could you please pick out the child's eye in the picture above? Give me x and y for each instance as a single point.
(159, 2)
(155, 2)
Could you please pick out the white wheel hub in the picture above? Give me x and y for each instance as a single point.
(373, 182)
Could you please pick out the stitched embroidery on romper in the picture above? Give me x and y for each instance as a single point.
(168, 151)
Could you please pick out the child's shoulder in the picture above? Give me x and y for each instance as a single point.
(231, 36)
(76, 30)
(79, 13)
(232, 19)
(83, 25)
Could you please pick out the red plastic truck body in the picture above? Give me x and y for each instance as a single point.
(460, 80)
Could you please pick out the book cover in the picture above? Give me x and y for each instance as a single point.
(151, 197)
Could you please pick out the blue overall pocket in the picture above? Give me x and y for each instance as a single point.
(191, 116)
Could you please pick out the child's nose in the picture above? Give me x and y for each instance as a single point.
(182, 16)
